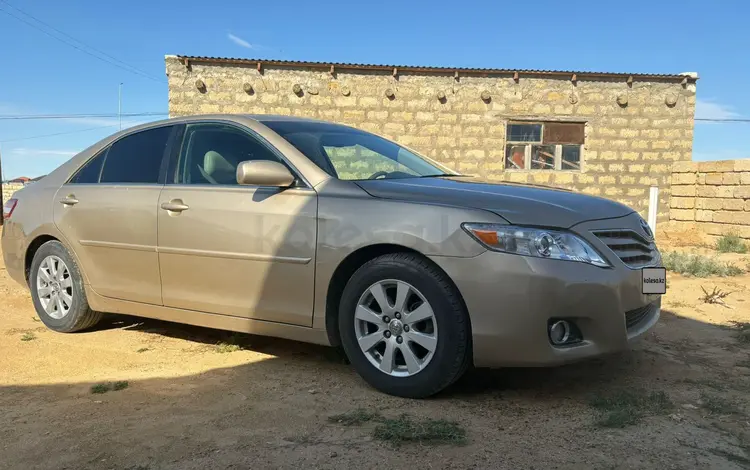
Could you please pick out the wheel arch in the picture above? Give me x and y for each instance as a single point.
(31, 250)
(41, 234)
(349, 265)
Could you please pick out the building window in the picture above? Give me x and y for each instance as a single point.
(544, 146)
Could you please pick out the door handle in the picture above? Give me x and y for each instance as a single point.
(175, 205)
(69, 200)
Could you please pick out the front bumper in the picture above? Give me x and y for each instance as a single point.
(511, 298)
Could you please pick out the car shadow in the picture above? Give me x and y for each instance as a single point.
(581, 377)
(212, 337)
(283, 398)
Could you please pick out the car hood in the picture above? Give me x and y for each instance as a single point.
(517, 203)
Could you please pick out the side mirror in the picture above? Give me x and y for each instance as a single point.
(264, 173)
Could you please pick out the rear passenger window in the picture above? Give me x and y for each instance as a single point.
(89, 173)
(136, 158)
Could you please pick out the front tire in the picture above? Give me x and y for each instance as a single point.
(57, 290)
(404, 326)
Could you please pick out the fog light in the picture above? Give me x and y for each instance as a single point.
(559, 332)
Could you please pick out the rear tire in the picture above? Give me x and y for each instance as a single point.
(57, 290)
(390, 351)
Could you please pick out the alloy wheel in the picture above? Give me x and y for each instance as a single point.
(396, 328)
(54, 287)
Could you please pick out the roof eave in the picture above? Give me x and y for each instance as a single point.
(458, 71)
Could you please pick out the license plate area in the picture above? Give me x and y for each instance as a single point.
(654, 280)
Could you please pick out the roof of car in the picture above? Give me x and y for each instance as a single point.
(278, 117)
(238, 118)
(256, 117)
(225, 116)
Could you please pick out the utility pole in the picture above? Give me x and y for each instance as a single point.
(2, 203)
(119, 106)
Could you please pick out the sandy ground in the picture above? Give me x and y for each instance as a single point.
(190, 406)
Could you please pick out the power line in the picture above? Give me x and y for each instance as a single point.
(56, 134)
(107, 58)
(25, 117)
(114, 61)
(722, 120)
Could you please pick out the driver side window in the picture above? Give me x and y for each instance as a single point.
(210, 154)
(355, 162)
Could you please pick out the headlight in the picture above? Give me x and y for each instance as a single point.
(536, 242)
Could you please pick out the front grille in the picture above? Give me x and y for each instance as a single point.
(633, 249)
(634, 317)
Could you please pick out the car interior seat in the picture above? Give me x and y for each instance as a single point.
(217, 169)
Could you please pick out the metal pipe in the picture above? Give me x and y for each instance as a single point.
(2, 203)
(119, 106)
(653, 205)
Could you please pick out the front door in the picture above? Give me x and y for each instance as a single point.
(245, 251)
(107, 213)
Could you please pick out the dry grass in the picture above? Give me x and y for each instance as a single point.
(731, 243)
(105, 387)
(717, 385)
(406, 429)
(28, 336)
(223, 348)
(719, 405)
(234, 342)
(698, 265)
(355, 417)
(742, 331)
(716, 296)
(626, 407)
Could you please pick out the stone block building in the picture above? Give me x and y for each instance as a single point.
(9, 189)
(607, 134)
(711, 197)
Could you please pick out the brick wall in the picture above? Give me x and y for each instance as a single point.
(9, 189)
(627, 147)
(713, 197)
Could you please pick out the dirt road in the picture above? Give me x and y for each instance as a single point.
(198, 399)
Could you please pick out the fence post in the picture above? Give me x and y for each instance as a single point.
(2, 203)
(653, 206)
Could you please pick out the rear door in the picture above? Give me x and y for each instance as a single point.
(107, 213)
(246, 251)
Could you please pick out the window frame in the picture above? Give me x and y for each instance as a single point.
(101, 153)
(172, 172)
(529, 144)
(105, 150)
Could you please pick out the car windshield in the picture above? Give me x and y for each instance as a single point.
(350, 154)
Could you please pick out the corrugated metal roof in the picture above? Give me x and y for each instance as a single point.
(428, 69)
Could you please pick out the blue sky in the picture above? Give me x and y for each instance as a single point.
(41, 75)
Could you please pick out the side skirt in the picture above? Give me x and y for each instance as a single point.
(209, 320)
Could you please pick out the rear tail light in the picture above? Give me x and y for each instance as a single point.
(9, 207)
